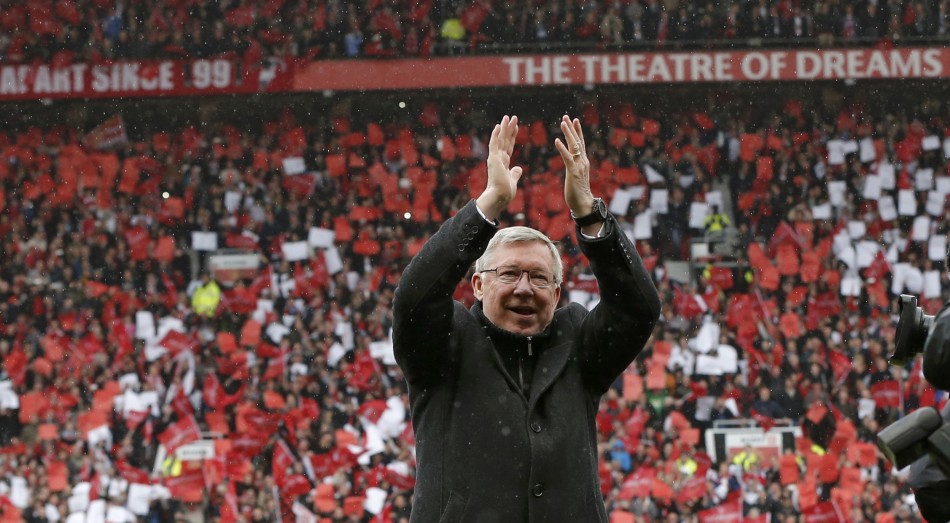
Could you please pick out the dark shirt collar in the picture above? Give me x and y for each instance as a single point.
(502, 337)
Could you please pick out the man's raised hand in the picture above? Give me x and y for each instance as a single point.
(573, 151)
(502, 178)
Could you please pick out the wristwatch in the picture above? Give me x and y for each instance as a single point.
(598, 215)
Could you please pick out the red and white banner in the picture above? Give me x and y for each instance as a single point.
(886, 393)
(223, 76)
(728, 512)
(141, 79)
(625, 68)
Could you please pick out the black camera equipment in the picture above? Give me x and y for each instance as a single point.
(912, 330)
(921, 439)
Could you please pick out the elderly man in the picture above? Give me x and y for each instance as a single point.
(504, 394)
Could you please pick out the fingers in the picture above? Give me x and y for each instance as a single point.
(573, 136)
(504, 135)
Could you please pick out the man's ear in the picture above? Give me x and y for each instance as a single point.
(477, 285)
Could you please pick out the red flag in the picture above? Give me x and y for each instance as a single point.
(825, 512)
(110, 133)
(693, 489)
(686, 305)
(728, 512)
(784, 235)
(372, 410)
(878, 268)
(638, 484)
(189, 486)
(886, 393)
(177, 342)
(840, 365)
(180, 433)
(229, 509)
(282, 462)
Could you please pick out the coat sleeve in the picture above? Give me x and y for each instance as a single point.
(423, 306)
(615, 331)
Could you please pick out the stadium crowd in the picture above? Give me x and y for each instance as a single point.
(115, 339)
(95, 30)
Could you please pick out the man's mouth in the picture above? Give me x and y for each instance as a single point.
(522, 311)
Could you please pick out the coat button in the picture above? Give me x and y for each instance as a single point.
(535, 426)
(537, 490)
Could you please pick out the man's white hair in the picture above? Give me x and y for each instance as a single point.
(518, 234)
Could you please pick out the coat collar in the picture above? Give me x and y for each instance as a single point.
(551, 356)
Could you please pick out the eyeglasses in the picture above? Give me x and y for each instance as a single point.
(511, 275)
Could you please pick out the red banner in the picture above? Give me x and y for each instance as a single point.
(728, 512)
(141, 79)
(886, 393)
(625, 68)
(223, 76)
(826, 512)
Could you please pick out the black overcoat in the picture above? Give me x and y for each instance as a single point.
(485, 453)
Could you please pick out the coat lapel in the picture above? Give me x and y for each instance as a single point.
(549, 366)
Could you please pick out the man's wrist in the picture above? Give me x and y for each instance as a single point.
(489, 206)
(596, 215)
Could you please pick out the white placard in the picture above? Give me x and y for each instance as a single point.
(906, 202)
(866, 407)
(886, 208)
(139, 498)
(849, 256)
(119, 514)
(886, 171)
(866, 251)
(383, 351)
(835, 152)
(850, 284)
(857, 229)
(232, 200)
(276, 331)
(8, 397)
(937, 248)
(920, 232)
(659, 200)
(913, 279)
(580, 297)
(321, 238)
(836, 192)
(204, 241)
(924, 179)
(850, 146)
(697, 214)
(872, 187)
(942, 184)
(932, 284)
(620, 202)
(144, 325)
(96, 513)
(375, 499)
(295, 251)
(931, 143)
(294, 165)
(643, 225)
(935, 203)
(652, 175)
(714, 198)
(332, 258)
(821, 211)
(868, 153)
(706, 338)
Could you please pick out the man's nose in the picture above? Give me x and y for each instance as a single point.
(523, 286)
